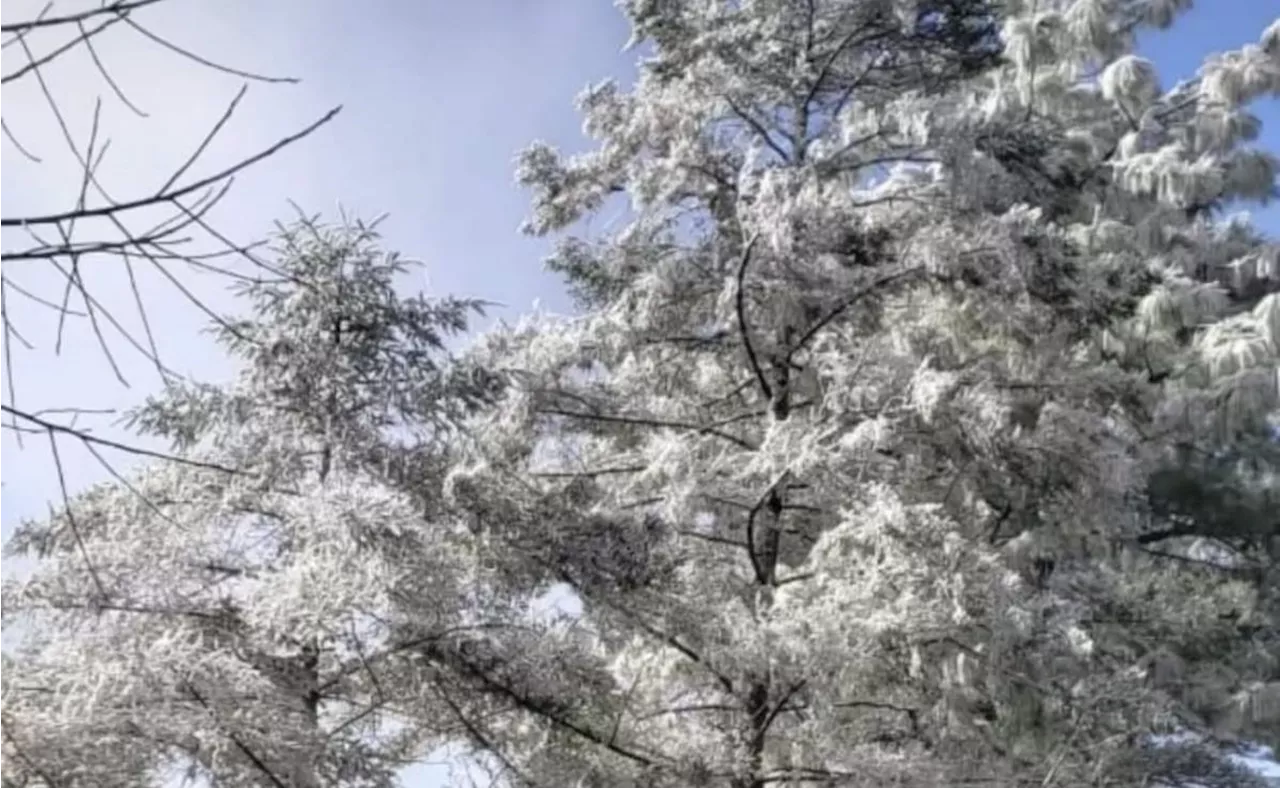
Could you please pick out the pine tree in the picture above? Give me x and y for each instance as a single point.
(1165, 167)
(853, 456)
(229, 614)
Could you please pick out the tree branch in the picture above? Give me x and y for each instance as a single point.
(741, 308)
(650, 422)
(838, 310)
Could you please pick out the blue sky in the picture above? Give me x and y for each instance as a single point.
(439, 95)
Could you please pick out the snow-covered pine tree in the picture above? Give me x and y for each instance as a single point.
(1161, 171)
(849, 457)
(229, 614)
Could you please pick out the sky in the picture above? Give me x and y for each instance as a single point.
(438, 96)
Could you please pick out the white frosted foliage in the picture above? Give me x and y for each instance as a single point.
(1132, 82)
(887, 368)
(222, 613)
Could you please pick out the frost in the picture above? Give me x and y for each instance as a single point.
(910, 432)
(213, 618)
(1132, 82)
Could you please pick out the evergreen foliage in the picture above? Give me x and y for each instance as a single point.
(915, 430)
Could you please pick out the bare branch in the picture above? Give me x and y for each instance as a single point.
(63, 238)
(87, 438)
(177, 193)
(204, 61)
(113, 9)
(71, 519)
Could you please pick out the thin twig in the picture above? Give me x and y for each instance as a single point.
(124, 447)
(188, 189)
(116, 8)
(106, 75)
(71, 519)
(205, 61)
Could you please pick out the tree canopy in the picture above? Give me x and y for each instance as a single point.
(915, 429)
